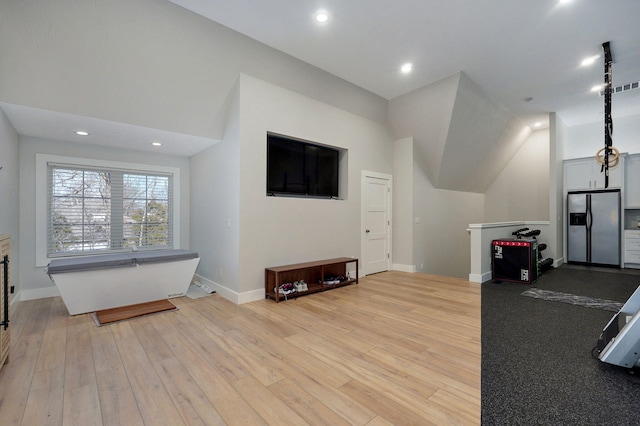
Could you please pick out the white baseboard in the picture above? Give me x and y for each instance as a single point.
(403, 268)
(234, 296)
(219, 288)
(38, 293)
(251, 296)
(15, 301)
(480, 278)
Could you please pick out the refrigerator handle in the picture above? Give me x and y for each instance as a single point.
(589, 217)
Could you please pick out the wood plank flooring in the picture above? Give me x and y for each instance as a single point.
(396, 349)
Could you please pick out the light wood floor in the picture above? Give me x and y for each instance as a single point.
(398, 348)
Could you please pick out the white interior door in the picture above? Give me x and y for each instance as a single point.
(377, 224)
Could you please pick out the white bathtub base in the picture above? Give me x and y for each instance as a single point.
(95, 290)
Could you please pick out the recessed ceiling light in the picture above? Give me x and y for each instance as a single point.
(589, 61)
(406, 68)
(537, 124)
(156, 143)
(564, 1)
(321, 17)
(82, 133)
(597, 87)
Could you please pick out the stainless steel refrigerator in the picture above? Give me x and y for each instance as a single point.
(593, 229)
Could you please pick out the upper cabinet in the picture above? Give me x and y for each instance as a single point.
(632, 182)
(586, 173)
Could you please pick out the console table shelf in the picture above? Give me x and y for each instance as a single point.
(313, 273)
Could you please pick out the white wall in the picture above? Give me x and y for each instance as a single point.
(483, 137)
(585, 140)
(281, 230)
(558, 141)
(425, 115)
(402, 247)
(215, 209)
(9, 194)
(34, 282)
(521, 190)
(441, 241)
(462, 137)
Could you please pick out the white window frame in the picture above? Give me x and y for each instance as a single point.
(42, 200)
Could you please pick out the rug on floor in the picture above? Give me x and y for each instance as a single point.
(108, 316)
(572, 299)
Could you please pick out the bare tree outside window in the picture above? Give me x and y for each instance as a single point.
(146, 208)
(103, 210)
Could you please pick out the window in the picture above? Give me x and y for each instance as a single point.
(95, 206)
(94, 210)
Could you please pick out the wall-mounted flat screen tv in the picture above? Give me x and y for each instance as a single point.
(301, 168)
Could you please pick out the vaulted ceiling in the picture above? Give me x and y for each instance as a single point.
(160, 69)
(525, 55)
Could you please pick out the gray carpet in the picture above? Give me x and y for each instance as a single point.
(537, 367)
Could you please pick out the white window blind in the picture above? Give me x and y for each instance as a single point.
(97, 210)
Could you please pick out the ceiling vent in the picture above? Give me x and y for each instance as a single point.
(623, 88)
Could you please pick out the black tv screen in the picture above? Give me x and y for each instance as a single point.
(301, 168)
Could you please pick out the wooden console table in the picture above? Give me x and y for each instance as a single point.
(315, 274)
